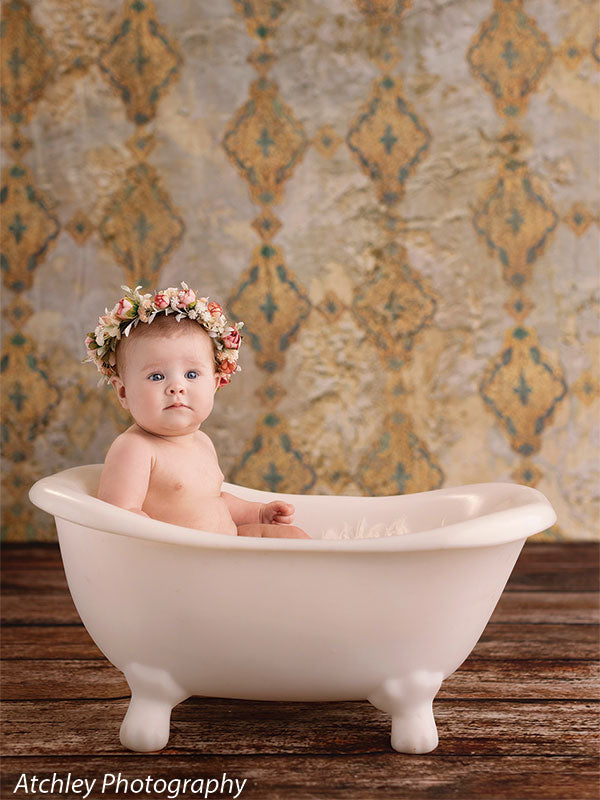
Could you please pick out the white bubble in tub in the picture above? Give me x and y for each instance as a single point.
(361, 531)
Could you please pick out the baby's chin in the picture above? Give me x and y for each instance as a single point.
(171, 427)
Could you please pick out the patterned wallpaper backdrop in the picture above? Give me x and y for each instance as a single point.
(398, 198)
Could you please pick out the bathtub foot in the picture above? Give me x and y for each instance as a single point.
(154, 693)
(409, 701)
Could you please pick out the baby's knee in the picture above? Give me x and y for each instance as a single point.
(292, 532)
(286, 532)
(272, 531)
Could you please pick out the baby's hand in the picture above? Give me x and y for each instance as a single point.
(277, 512)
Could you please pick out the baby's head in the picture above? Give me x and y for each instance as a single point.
(170, 343)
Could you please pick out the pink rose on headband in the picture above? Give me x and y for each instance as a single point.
(232, 340)
(161, 300)
(227, 366)
(224, 380)
(186, 298)
(214, 308)
(123, 307)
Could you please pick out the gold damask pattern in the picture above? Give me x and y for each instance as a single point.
(140, 62)
(509, 56)
(382, 315)
(516, 220)
(30, 228)
(30, 394)
(521, 386)
(271, 461)
(523, 390)
(393, 303)
(388, 139)
(272, 305)
(27, 62)
(141, 227)
(399, 463)
(384, 16)
(265, 143)
(261, 16)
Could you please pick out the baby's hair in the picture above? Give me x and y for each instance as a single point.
(162, 326)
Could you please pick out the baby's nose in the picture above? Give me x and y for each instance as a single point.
(174, 388)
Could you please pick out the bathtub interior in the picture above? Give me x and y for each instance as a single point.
(443, 517)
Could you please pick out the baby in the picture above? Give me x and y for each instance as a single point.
(166, 372)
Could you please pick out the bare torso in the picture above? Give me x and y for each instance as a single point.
(185, 484)
(177, 479)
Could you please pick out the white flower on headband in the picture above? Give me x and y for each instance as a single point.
(134, 308)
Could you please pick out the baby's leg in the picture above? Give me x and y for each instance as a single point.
(272, 531)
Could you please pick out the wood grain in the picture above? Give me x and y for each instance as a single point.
(519, 719)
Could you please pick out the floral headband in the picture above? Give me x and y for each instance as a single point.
(135, 308)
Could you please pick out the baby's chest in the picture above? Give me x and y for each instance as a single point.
(199, 475)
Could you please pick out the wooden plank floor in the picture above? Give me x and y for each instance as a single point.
(519, 720)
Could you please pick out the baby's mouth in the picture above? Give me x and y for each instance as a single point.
(176, 405)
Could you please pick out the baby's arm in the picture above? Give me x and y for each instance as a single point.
(126, 473)
(244, 512)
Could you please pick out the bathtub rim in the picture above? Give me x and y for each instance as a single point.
(65, 497)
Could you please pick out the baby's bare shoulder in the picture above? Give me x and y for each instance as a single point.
(126, 471)
(204, 438)
(132, 444)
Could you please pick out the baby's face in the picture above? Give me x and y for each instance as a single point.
(169, 383)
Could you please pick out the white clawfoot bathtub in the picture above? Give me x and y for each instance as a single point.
(183, 612)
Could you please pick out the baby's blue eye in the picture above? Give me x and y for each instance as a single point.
(191, 374)
(156, 376)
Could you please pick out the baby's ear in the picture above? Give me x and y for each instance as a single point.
(119, 388)
(217, 380)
